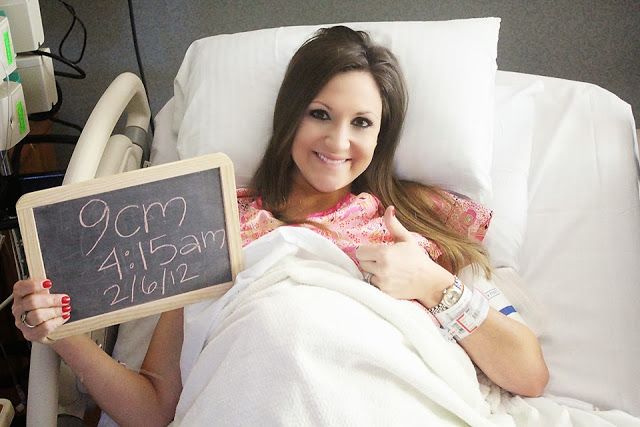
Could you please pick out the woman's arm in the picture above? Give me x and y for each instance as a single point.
(130, 398)
(505, 350)
(509, 354)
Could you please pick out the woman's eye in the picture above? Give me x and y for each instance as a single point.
(319, 114)
(362, 122)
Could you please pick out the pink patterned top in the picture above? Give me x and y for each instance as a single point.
(357, 220)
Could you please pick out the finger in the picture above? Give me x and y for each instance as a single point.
(367, 252)
(41, 315)
(369, 267)
(43, 300)
(395, 227)
(40, 332)
(29, 286)
(37, 300)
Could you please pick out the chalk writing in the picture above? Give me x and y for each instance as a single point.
(136, 244)
(160, 250)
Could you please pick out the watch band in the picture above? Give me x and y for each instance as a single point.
(456, 288)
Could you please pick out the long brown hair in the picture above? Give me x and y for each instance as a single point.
(329, 52)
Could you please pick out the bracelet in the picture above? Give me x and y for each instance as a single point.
(468, 318)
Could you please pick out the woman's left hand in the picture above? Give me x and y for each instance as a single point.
(403, 270)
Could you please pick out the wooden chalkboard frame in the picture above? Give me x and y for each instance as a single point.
(31, 201)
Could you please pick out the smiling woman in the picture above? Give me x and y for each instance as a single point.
(328, 168)
(334, 143)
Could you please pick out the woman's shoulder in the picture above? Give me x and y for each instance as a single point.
(467, 216)
(246, 195)
(245, 192)
(456, 211)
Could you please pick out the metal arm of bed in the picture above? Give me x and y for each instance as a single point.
(97, 153)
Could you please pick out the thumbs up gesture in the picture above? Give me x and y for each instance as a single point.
(403, 270)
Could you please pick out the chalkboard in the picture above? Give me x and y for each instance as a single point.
(137, 243)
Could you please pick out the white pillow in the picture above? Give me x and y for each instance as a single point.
(226, 88)
(513, 136)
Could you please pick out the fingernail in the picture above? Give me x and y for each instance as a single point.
(66, 300)
(65, 316)
(66, 308)
(46, 283)
(393, 210)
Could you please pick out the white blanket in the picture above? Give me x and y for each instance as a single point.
(301, 340)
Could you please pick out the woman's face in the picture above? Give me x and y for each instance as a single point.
(335, 139)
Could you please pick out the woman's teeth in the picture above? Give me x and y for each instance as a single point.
(328, 160)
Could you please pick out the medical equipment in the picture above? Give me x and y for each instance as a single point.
(26, 21)
(562, 155)
(36, 72)
(14, 124)
(38, 81)
(8, 55)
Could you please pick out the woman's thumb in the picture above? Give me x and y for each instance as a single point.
(395, 227)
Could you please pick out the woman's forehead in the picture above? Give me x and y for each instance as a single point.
(356, 91)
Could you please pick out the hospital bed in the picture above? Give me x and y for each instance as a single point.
(556, 160)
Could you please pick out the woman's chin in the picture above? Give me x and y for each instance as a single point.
(327, 188)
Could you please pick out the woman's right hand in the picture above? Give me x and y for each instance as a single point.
(37, 312)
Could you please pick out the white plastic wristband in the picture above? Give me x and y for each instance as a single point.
(466, 321)
(447, 316)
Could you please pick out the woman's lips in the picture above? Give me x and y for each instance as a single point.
(329, 160)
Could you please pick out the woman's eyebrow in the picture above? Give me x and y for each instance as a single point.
(357, 113)
(315, 101)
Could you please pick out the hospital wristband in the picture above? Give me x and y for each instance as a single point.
(448, 315)
(467, 321)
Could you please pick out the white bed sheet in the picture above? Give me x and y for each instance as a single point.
(582, 244)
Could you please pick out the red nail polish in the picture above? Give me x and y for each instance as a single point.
(66, 300)
(66, 308)
(65, 316)
(46, 283)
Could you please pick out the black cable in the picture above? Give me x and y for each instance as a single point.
(46, 115)
(81, 74)
(50, 115)
(72, 11)
(138, 59)
(67, 124)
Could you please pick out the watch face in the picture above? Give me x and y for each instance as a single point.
(451, 298)
(452, 295)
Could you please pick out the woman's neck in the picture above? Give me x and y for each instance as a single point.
(302, 203)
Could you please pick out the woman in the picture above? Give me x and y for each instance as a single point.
(328, 166)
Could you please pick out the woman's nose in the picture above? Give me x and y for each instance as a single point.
(339, 137)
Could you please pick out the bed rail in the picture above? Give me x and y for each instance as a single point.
(124, 95)
(97, 153)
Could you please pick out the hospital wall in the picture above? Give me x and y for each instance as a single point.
(597, 41)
